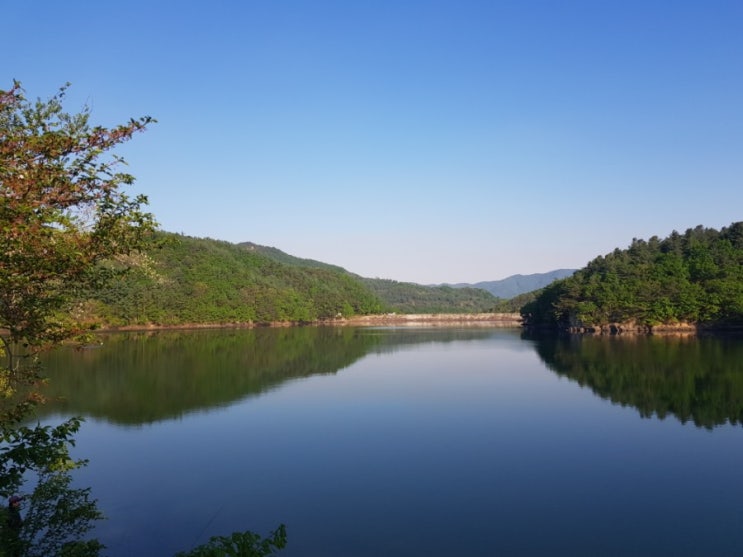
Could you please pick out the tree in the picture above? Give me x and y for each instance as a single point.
(65, 225)
(64, 220)
(240, 544)
(57, 515)
(67, 228)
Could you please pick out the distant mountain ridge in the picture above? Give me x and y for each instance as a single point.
(514, 285)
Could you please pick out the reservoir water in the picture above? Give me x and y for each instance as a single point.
(399, 441)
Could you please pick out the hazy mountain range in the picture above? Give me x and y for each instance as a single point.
(514, 285)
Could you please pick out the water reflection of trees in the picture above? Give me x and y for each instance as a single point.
(138, 378)
(694, 379)
(145, 377)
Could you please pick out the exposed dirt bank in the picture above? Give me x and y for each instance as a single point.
(429, 319)
(441, 319)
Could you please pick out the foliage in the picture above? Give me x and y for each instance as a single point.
(64, 219)
(514, 305)
(67, 230)
(240, 544)
(696, 277)
(192, 280)
(406, 297)
(58, 515)
(401, 297)
(63, 214)
(283, 257)
(187, 280)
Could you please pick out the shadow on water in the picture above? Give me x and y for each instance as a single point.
(139, 378)
(697, 380)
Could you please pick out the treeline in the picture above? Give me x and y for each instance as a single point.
(695, 278)
(514, 305)
(186, 280)
(406, 297)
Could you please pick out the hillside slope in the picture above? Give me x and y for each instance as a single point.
(406, 297)
(186, 280)
(695, 278)
(399, 297)
(195, 280)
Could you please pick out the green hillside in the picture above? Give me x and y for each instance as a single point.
(185, 280)
(401, 297)
(406, 297)
(514, 305)
(695, 278)
(193, 280)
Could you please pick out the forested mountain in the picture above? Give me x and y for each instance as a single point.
(400, 297)
(407, 297)
(515, 285)
(187, 280)
(695, 278)
(193, 280)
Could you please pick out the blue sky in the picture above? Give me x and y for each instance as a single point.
(424, 141)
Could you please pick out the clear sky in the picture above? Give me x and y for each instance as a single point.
(417, 140)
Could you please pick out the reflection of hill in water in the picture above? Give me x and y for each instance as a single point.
(135, 378)
(697, 379)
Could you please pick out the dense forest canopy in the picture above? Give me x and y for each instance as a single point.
(193, 280)
(695, 278)
(401, 297)
(185, 280)
(406, 297)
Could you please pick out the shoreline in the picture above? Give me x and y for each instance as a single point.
(493, 320)
(427, 319)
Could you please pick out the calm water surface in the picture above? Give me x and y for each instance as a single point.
(400, 442)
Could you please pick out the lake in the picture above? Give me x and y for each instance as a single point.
(410, 441)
